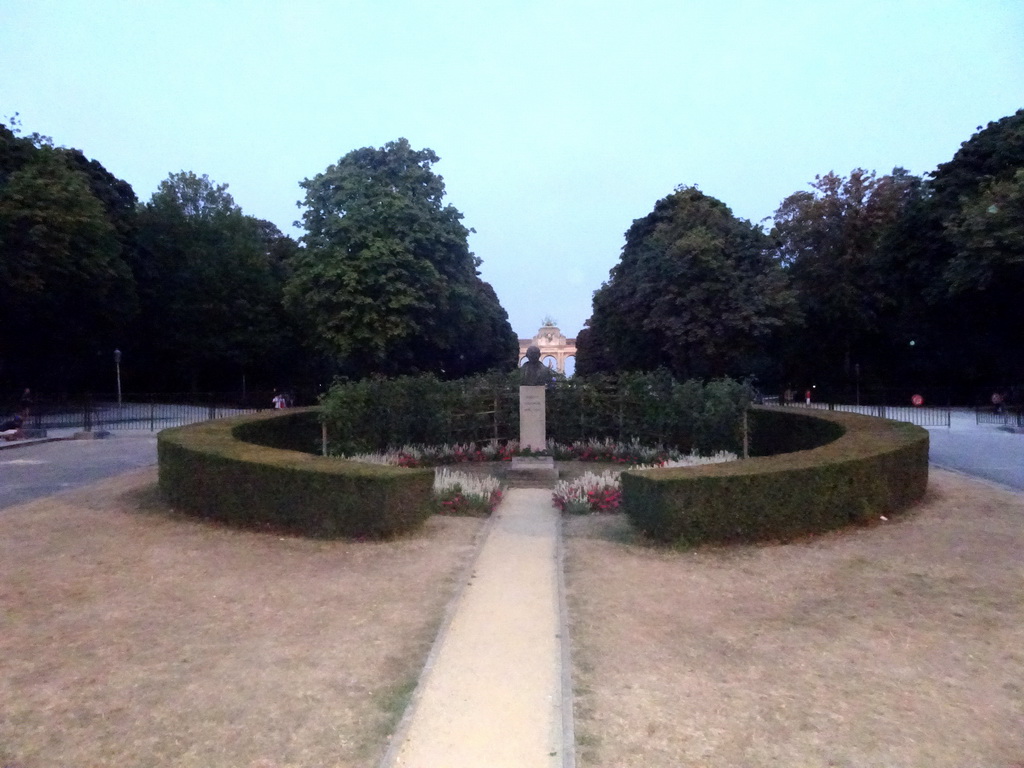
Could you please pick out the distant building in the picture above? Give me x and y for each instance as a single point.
(555, 349)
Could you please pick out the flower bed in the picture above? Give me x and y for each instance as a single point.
(438, 455)
(458, 493)
(603, 492)
(589, 493)
(607, 451)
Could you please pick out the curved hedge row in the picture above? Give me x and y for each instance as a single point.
(844, 469)
(209, 469)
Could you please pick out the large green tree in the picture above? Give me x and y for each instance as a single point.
(910, 283)
(975, 238)
(696, 290)
(68, 289)
(837, 243)
(386, 281)
(211, 294)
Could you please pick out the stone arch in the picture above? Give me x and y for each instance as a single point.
(552, 344)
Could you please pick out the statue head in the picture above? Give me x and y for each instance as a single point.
(533, 371)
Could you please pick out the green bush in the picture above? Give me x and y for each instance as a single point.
(842, 469)
(208, 470)
(378, 414)
(374, 414)
(295, 429)
(778, 430)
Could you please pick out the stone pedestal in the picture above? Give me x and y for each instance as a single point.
(532, 419)
(532, 468)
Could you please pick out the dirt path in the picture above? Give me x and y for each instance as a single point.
(492, 695)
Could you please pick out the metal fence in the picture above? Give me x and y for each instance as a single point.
(1010, 417)
(922, 416)
(140, 413)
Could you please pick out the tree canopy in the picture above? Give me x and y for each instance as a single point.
(696, 290)
(386, 281)
(834, 241)
(211, 298)
(66, 281)
(894, 280)
(909, 282)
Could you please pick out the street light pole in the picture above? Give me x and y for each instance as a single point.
(117, 365)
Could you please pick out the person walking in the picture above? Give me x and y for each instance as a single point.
(25, 404)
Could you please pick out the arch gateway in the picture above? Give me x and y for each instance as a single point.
(552, 344)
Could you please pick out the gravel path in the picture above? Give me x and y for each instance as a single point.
(492, 691)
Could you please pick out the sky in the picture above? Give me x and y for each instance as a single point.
(557, 123)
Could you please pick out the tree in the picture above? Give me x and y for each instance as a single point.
(995, 153)
(835, 242)
(386, 281)
(912, 282)
(485, 340)
(975, 240)
(212, 303)
(67, 286)
(696, 290)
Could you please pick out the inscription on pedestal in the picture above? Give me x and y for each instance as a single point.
(532, 418)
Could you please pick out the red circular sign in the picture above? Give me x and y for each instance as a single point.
(917, 400)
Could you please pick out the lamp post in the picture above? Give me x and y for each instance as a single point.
(117, 366)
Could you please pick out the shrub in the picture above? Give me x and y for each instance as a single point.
(380, 414)
(290, 430)
(207, 470)
(873, 467)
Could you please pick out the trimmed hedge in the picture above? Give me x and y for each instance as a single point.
(843, 469)
(209, 470)
(380, 414)
(295, 429)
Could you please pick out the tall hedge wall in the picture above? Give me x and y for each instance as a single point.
(375, 414)
(207, 469)
(871, 467)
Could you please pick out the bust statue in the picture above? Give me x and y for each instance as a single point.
(534, 372)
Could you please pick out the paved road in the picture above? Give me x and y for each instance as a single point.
(29, 472)
(981, 450)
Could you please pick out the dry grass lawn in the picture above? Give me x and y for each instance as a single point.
(896, 645)
(130, 636)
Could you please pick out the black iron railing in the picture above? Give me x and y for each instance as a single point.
(1006, 416)
(151, 413)
(922, 416)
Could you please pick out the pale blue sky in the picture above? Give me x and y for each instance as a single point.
(557, 123)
